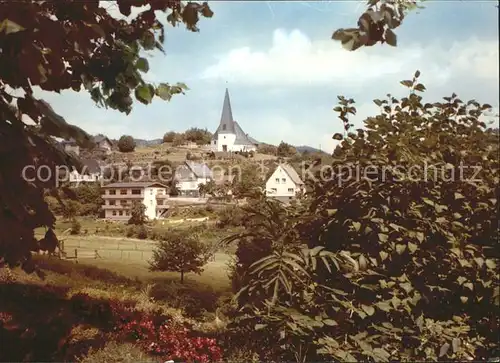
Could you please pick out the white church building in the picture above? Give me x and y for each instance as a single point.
(229, 136)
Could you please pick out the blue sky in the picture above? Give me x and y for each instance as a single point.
(284, 73)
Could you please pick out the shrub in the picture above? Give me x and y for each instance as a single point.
(169, 136)
(138, 214)
(141, 232)
(114, 352)
(126, 144)
(399, 267)
(75, 227)
(230, 217)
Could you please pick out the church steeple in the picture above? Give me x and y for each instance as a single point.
(226, 125)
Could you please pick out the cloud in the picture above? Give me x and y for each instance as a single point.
(294, 59)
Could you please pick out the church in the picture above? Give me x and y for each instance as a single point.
(229, 136)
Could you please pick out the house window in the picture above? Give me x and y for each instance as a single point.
(151, 192)
(114, 213)
(224, 137)
(123, 191)
(290, 190)
(283, 180)
(112, 202)
(277, 180)
(120, 213)
(112, 192)
(136, 192)
(274, 190)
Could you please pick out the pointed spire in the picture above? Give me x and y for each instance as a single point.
(226, 120)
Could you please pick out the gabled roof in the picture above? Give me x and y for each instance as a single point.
(292, 173)
(145, 184)
(199, 170)
(100, 138)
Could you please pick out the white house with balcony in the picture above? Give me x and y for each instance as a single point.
(284, 184)
(190, 175)
(229, 136)
(119, 197)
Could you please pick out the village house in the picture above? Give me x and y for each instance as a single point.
(189, 176)
(229, 136)
(70, 146)
(119, 197)
(284, 184)
(101, 141)
(91, 173)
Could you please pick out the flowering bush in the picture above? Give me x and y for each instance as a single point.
(170, 342)
(153, 332)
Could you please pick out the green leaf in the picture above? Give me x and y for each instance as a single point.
(383, 237)
(330, 322)
(356, 226)
(385, 306)
(391, 38)
(419, 87)
(337, 136)
(143, 94)
(491, 264)
(412, 247)
(459, 196)
(444, 349)
(9, 27)
(260, 326)
(368, 309)
(400, 249)
(142, 64)
(408, 84)
(417, 74)
(164, 91)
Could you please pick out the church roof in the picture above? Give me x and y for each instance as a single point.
(227, 125)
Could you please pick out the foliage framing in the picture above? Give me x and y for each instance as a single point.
(389, 267)
(59, 46)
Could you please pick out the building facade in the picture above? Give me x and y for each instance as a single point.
(119, 197)
(285, 183)
(229, 136)
(189, 176)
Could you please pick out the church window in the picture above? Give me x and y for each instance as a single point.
(224, 127)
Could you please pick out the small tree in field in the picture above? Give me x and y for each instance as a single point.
(180, 252)
(126, 144)
(137, 214)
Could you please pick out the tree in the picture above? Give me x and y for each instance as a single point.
(169, 136)
(126, 144)
(137, 214)
(199, 136)
(248, 182)
(70, 210)
(180, 251)
(60, 46)
(179, 139)
(285, 150)
(396, 262)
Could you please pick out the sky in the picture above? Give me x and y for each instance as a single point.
(284, 72)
